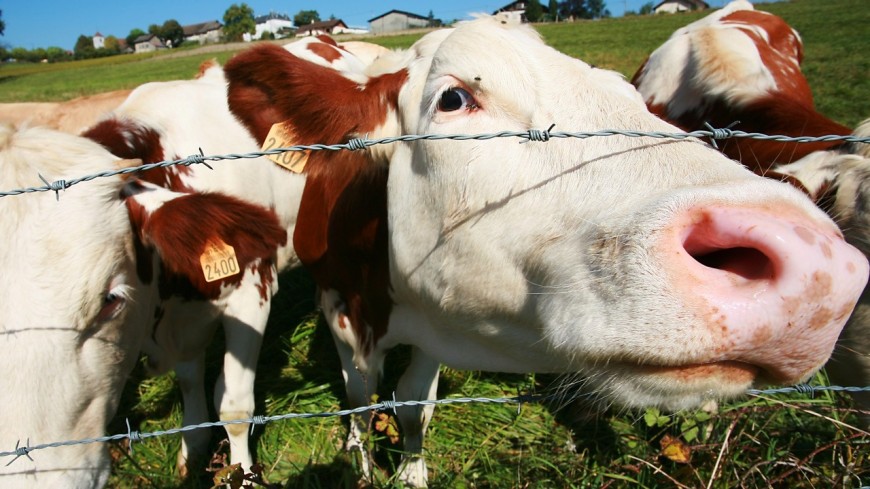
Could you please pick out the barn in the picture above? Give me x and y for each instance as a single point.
(397, 20)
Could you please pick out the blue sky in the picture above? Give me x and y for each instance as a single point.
(31, 24)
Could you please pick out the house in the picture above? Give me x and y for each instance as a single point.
(147, 43)
(334, 26)
(279, 25)
(397, 20)
(673, 6)
(515, 12)
(204, 32)
(99, 41)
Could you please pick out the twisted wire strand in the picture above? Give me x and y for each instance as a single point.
(390, 404)
(532, 135)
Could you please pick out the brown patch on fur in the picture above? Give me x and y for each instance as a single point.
(341, 232)
(131, 140)
(205, 66)
(181, 228)
(328, 52)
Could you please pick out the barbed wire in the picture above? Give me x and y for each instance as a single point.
(385, 405)
(363, 143)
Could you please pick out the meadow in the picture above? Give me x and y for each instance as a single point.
(762, 441)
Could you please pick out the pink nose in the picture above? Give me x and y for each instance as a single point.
(773, 287)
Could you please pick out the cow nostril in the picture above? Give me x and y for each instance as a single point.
(749, 263)
(731, 253)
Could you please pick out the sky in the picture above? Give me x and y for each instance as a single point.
(39, 24)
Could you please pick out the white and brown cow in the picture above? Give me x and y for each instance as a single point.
(72, 116)
(664, 271)
(82, 278)
(170, 120)
(739, 68)
(839, 182)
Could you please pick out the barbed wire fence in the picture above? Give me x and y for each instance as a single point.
(363, 143)
(532, 135)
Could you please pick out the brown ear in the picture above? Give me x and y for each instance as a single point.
(267, 85)
(180, 227)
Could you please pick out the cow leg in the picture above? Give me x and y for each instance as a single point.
(358, 385)
(419, 382)
(244, 321)
(194, 444)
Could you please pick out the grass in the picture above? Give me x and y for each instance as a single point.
(786, 441)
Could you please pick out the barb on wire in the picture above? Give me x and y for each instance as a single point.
(362, 143)
(136, 436)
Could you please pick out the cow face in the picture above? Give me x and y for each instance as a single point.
(658, 268)
(79, 297)
(653, 267)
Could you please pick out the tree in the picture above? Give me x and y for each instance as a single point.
(573, 8)
(112, 44)
(597, 9)
(305, 17)
(2, 24)
(646, 8)
(238, 21)
(54, 54)
(131, 37)
(84, 47)
(172, 33)
(534, 11)
(554, 10)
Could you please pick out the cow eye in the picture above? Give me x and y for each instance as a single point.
(454, 99)
(113, 302)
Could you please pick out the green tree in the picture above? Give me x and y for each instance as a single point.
(573, 8)
(554, 10)
(131, 37)
(646, 8)
(238, 20)
(2, 24)
(597, 9)
(84, 47)
(305, 17)
(112, 44)
(534, 11)
(172, 33)
(54, 54)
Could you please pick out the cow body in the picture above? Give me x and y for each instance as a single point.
(72, 116)
(737, 68)
(653, 267)
(169, 120)
(83, 282)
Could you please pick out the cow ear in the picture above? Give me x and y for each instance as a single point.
(188, 230)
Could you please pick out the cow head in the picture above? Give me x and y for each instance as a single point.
(80, 296)
(658, 268)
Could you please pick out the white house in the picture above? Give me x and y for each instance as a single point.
(674, 6)
(279, 25)
(397, 20)
(515, 12)
(99, 41)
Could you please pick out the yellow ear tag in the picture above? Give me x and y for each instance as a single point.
(280, 137)
(218, 261)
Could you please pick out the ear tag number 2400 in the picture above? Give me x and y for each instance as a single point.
(218, 261)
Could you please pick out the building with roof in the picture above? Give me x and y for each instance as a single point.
(204, 32)
(397, 20)
(278, 25)
(99, 41)
(333, 26)
(148, 43)
(515, 12)
(674, 6)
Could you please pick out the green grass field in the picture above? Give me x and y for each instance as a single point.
(782, 441)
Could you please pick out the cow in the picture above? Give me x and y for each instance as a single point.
(738, 64)
(738, 68)
(72, 116)
(168, 120)
(839, 181)
(662, 270)
(83, 274)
